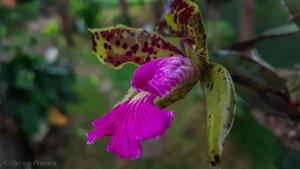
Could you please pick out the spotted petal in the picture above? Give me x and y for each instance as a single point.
(183, 20)
(177, 18)
(117, 45)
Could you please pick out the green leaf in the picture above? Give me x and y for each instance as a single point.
(220, 100)
(183, 20)
(257, 83)
(117, 45)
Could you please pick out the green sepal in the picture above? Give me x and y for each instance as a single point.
(257, 82)
(179, 93)
(219, 90)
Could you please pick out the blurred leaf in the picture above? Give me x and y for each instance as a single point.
(220, 100)
(282, 31)
(225, 32)
(26, 115)
(2, 31)
(259, 85)
(22, 12)
(25, 79)
(86, 13)
(118, 45)
(123, 19)
(80, 132)
(33, 86)
(263, 148)
(293, 10)
(75, 6)
(217, 3)
(52, 28)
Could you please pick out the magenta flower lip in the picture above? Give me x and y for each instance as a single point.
(138, 118)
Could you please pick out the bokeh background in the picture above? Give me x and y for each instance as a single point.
(52, 87)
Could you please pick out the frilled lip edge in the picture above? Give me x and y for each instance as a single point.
(128, 125)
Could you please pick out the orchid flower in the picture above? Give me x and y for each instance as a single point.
(138, 118)
(165, 75)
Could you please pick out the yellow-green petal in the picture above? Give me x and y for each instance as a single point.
(118, 45)
(176, 22)
(184, 20)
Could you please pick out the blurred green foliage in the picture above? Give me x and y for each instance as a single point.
(52, 28)
(263, 147)
(86, 13)
(33, 87)
(225, 31)
(281, 52)
(11, 18)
